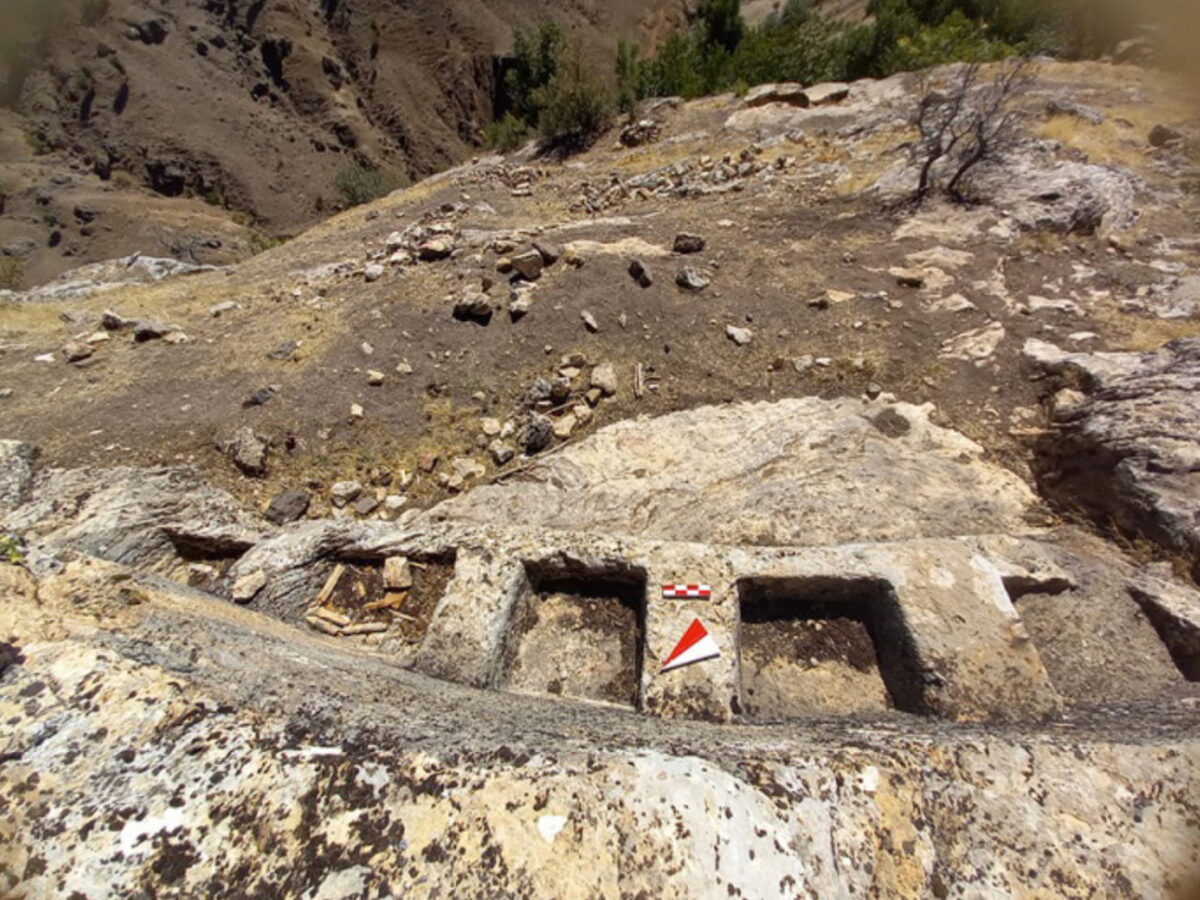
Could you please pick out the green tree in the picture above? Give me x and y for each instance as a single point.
(675, 70)
(629, 70)
(722, 24)
(536, 56)
(575, 107)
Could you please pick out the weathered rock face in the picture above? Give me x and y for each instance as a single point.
(16, 471)
(145, 518)
(1128, 450)
(803, 471)
(96, 278)
(1035, 191)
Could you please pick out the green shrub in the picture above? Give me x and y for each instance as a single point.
(12, 273)
(807, 49)
(721, 24)
(719, 53)
(575, 107)
(358, 184)
(957, 39)
(11, 551)
(261, 242)
(677, 70)
(508, 133)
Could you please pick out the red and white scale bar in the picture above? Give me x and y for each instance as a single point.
(686, 592)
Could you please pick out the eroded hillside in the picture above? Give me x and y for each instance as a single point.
(254, 109)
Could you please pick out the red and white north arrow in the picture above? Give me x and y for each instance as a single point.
(695, 646)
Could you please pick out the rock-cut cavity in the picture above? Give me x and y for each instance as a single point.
(824, 646)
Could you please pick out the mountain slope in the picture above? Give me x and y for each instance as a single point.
(259, 106)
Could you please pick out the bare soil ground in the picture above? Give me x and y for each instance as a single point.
(806, 666)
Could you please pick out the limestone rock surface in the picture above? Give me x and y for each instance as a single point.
(800, 471)
(1129, 451)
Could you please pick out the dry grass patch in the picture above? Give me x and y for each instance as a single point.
(1126, 331)
(1106, 144)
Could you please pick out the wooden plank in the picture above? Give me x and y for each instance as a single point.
(329, 615)
(331, 584)
(390, 601)
(365, 628)
(323, 626)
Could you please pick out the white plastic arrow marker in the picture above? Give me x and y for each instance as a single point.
(695, 646)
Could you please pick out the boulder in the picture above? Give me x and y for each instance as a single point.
(245, 587)
(643, 131)
(342, 492)
(688, 243)
(604, 378)
(438, 248)
(740, 336)
(1136, 50)
(788, 92)
(528, 265)
(560, 389)
(1060, 106)
(473, 305)
(550, 252)
(640, 273)
(149, 518)
(248, 451)
(502, 452)
(536, 434)
(539, 392)
(827, 93)
(114, 321)
(219, 309)
(364, 506)
(1163, 135)
(691, 280)
(284, 351)
(564, 426)
(77, 351)
(149, 330)
(1039, 191)
(975, 344)
(288, 507)
(519, 304)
